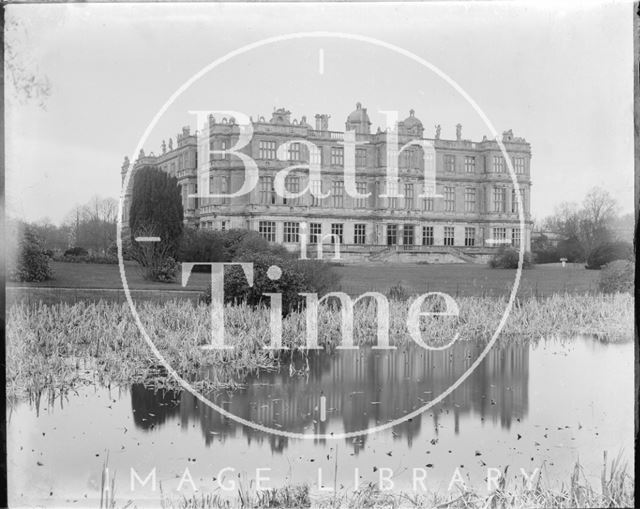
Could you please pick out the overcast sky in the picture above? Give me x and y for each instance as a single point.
(559, 75)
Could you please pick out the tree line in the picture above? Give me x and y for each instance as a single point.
(587, 231)
(91, 226)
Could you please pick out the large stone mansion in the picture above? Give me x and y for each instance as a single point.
(475, 210)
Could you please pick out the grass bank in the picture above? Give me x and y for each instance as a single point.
(57, 347)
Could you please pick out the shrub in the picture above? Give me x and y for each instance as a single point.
(617, 276)
(319, 275)
(398, 292)
(76, 251)
(508, 258)
(31, 263)
(543, 250)
(571, 249)
(112, 250)
(163, 269)
(201, 246)
(608, 252)
(166, 271)
(237, 243)
(298, 276)
(546, 256)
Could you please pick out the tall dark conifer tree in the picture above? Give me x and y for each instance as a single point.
(156, 208)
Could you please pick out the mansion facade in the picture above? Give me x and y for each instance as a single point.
(475, 209)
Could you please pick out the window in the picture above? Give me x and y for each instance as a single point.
(469, 164)
(449, 162)
(361, 187)
(469, 236)
(225, 188)
(408, 196)
(392, 234)
(449, 199)
(518, 165)
(514, 201)
(499, 199)
(359, 233)
(470, 199)
(294, 152)
(448, 235)
(427, 204)
(267, 149)
(361, 158)
(499, 235)
(315, 233)
(224, 225)
(337, 156)
(392, 188)
(427, 235)
(408, 235)
(405, 158)
(515, 237)
(416, 157)
(316, 156)
(292, 184)
(316, 190)
(337, 194)
(267, 192)
(337, 230)
(291, 231)
(498, 164)
(268, 230)
(180, 162)
(222, 146)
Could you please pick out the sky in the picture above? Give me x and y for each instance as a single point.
(558, 74)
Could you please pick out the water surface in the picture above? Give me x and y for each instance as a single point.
(525, 406)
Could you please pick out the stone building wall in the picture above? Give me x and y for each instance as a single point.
(463, 169)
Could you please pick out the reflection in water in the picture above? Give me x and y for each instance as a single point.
(525, 406)
(363, 388)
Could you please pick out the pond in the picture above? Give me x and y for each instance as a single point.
(526, 406)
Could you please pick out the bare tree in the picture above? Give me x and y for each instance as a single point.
(93, 225)
(590, 224)
(596, 218)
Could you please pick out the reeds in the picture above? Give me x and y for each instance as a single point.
(58, 347)
(617, 491)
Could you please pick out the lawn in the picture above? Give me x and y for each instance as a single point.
(469, 279)
(97, 275)
(454, 279)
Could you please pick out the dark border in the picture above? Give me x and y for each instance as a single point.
(3, 352)
(636, 125)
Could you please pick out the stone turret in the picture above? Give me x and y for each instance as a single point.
(358, 120)
(281, 116)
